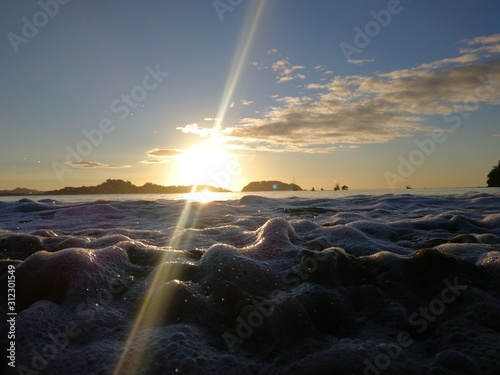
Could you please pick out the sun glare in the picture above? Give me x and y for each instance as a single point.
(204, 196)
(206, 163)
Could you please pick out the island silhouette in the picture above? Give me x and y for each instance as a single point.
(116, 187)
(111, 186)
(270, 186)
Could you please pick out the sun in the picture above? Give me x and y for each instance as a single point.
(207, 163)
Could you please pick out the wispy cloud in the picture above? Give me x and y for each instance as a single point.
(285, 71)
(258, 65)
(294, 101)
(163, 153)
(488, 39)
(353, 110)
(486, 45)
(95, 165)
(242, 102)
(154, 161)
(199, 130)
(360, 62)
(317, 86)
(160, 155)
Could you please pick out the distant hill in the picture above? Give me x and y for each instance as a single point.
(21, 191)
(115, 187)
(270, 186)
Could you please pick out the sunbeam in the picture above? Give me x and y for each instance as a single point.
(239, 59)
(155, 304)
(152, 306)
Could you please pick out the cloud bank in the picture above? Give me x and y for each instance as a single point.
(353, 110)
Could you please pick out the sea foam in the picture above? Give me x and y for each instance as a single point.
(363, 284)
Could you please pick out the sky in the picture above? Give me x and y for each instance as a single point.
(370, 94)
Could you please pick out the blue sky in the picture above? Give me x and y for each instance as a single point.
(151, 91)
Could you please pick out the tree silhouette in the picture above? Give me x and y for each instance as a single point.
(494, 176)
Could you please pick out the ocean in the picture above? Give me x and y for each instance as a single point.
(324, 282)
(204, 196)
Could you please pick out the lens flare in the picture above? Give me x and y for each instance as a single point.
(156, 304)
(240, 58)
